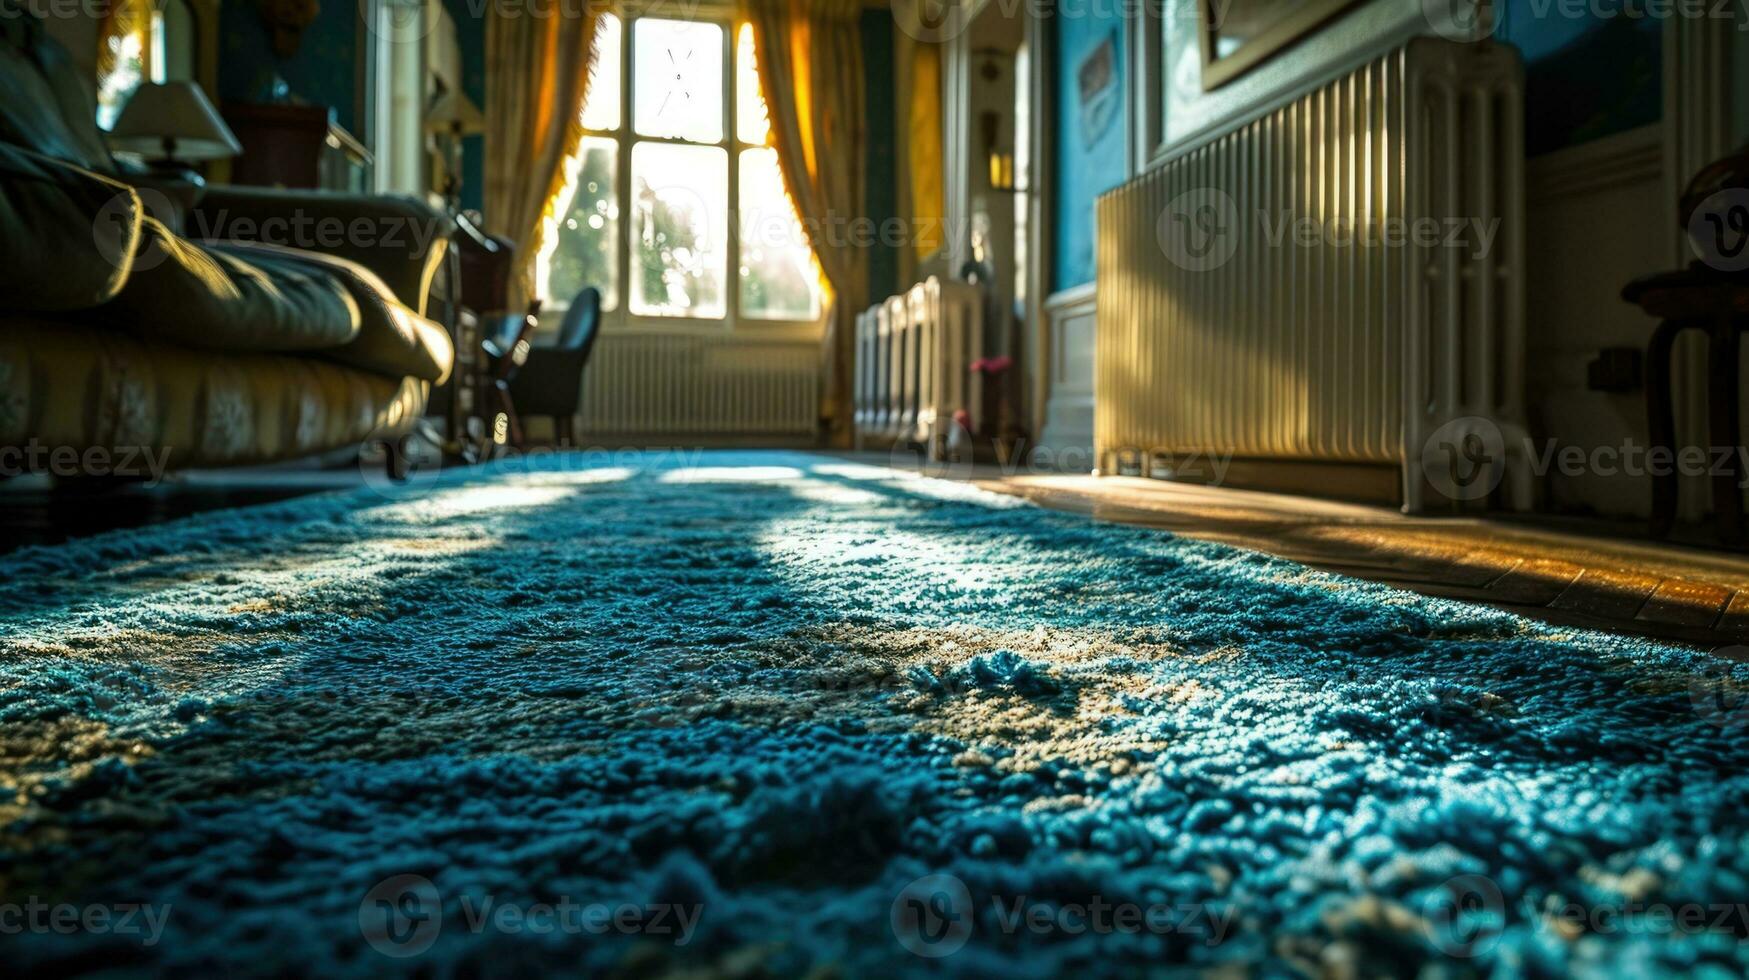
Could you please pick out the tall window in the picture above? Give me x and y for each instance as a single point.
(677, 208)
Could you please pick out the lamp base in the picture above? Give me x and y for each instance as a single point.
(171, 170)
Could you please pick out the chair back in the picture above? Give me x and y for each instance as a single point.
(582, 321)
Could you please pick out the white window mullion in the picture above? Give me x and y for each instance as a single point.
(622, 176)
(731, 145)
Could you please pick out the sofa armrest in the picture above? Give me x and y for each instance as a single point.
(401, 239)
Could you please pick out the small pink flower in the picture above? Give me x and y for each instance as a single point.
(993, 365)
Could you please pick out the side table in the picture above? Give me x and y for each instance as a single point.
(1716, 304)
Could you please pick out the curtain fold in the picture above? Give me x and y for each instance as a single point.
(537, 71)
(809, 54)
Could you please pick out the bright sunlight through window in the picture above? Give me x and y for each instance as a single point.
(665, 203)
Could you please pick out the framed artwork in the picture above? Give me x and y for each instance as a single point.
(1096, 81)
(1237, 35)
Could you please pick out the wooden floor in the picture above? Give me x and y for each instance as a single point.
(1572, 574)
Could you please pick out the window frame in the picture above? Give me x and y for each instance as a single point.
(621, 319)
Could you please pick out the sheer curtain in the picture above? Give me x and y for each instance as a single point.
(810, 70)
(537, 68)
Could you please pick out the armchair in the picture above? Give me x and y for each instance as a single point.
(550, 381)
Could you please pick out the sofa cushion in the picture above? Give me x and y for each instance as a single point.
(401, 239)
(151, 404)
(391, 340)
(66, 234)
(191, 294)
(46, 104)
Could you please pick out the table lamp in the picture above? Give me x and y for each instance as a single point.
(172, 125)
(452, 117)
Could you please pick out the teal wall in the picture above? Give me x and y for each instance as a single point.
(1584, 77)
(323, 72)
(1083, 168)
(470, 35)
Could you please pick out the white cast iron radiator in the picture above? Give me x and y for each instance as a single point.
(1339, 279)
(914, 355)
(683, 385)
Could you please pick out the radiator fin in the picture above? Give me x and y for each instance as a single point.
(1303, 344)
(699, 385)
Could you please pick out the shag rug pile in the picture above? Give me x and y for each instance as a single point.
(769, 713)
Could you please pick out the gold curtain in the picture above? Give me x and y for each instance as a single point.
(810, 70)
(924, 129)
(537, 68)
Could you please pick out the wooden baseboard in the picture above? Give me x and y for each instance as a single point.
(1367, 483)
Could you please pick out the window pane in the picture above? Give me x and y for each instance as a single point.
(680, 229)
(601, 107)
(777, 275)
(752, 122)
(586, 253)
(678, 88)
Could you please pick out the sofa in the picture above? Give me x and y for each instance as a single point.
(213, 326)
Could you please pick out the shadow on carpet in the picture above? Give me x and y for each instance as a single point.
(767, 713)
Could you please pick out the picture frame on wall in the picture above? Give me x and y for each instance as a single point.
(1238, 35)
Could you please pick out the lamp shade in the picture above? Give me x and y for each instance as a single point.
(174, 120)
(454, 112)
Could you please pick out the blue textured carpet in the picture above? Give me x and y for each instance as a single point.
(722, 713)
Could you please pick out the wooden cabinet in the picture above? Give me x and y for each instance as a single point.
(299, 146)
